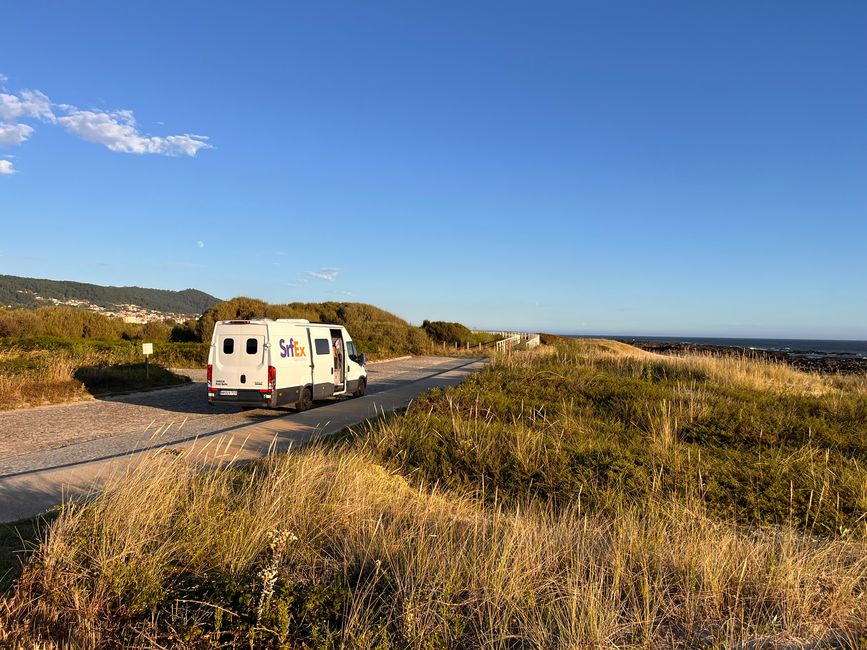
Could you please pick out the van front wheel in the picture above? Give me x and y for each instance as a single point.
(362, 386)
(306, 400)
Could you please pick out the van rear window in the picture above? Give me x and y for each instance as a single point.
(228, 346)
(252, 346)
(322, 346)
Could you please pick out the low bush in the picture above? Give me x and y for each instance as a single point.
(49, 370)
(595, 421)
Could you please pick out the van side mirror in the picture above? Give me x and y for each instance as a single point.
(362, 359)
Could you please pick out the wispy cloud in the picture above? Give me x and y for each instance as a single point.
(14, 134)
(27, 103)
(6, 168)
(329, 275)
(117, 130)
(200, 244)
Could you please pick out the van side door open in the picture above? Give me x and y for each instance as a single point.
(323, 364)
(288, 361)
(339, 354)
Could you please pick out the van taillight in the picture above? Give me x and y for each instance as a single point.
(210, 373)
(272, 377)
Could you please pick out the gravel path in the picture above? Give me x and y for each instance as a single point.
(51, 436)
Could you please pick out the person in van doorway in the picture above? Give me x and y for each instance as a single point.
(338, 361)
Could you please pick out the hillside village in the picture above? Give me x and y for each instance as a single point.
(130, 313)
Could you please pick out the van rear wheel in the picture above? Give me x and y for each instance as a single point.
(306, 400)
(362, 386)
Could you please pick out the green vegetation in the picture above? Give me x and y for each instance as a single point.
(604, 422)
(17, 539)
(57, 354)
(19, 292)
(72, 323)
(126, 377)
(48, 370)
(455, 334)
(377, 333)
(579, 496)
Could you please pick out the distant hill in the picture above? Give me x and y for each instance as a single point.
(32, 292)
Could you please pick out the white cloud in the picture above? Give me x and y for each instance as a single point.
(330, 275)
(29, 103)
(118, 131)
(6, 168)
(14, 133)
(200, 244)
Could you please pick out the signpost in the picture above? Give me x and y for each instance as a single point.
(147, 349)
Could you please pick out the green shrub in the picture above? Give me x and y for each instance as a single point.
(377, 333)
(582, 426)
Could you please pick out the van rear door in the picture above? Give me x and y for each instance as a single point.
(240, 362)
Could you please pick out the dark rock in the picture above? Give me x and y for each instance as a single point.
(806, 360)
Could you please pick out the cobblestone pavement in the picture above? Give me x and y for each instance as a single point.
(52, 436)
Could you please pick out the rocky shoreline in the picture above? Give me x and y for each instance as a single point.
(807, 360)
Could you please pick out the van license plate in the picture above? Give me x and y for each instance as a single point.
(229, 393)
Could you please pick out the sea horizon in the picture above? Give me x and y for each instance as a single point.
(825, 347)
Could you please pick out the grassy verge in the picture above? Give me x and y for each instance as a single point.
(554, 500)
(103, 380)
(47, 370)
(603, 422)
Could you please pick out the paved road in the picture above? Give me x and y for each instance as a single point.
(46, 450)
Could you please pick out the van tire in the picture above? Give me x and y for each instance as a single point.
(306, 400)
(362, 386)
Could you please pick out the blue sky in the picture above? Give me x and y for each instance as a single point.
(616, 167)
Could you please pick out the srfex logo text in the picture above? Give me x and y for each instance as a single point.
(292, 349)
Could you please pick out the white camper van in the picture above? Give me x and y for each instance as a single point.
(267, 363)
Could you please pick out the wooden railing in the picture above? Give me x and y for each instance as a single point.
(509, 340)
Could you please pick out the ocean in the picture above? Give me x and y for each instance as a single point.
(819, 347)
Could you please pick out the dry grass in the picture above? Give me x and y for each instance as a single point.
(34, 378)
(727, 370)
(453, 547)
(40, 376)
(763, 443)
(420, 568)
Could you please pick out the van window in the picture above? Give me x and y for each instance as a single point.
(322, 346)
(252, 346)
(350, 349)
(228, 346)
